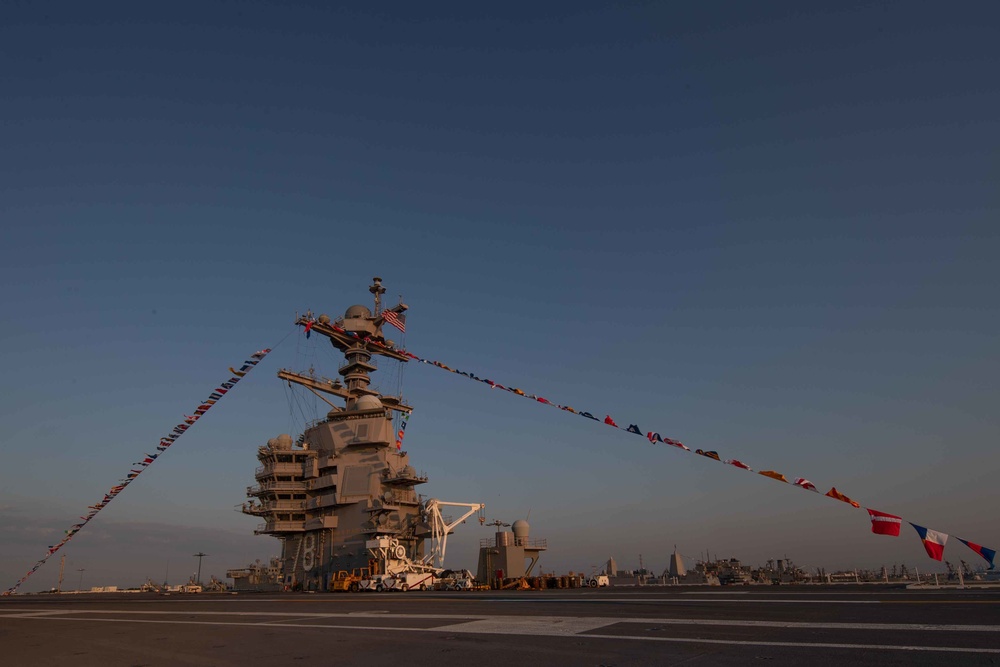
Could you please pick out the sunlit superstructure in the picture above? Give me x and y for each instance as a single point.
(343, 482)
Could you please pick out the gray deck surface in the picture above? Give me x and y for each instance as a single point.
(821, 625)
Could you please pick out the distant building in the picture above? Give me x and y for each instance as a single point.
(676, 567)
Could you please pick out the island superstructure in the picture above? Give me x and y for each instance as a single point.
(343, 482)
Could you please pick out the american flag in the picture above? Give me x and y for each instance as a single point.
(397, 320)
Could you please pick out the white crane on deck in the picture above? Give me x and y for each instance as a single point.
(440, 529)
(396, 570)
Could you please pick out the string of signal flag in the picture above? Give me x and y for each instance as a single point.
(147, 460)
(882, 523)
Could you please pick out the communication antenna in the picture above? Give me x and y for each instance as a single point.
(199, 556)
(377, 289)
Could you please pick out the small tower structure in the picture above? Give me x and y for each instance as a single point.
(676, 568)
(509, 552)
(342, 482)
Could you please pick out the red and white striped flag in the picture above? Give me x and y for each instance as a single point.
(397, 320)
(805, 484)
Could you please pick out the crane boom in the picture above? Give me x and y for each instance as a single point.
(440, 528)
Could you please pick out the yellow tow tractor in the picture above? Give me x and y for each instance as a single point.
(348, 581)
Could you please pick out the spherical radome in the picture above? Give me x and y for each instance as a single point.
(368, 402)
(357, 311)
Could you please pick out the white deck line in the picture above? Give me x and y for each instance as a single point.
(470, 618)
(538, 626)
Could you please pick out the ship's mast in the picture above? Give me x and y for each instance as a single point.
(377, 289)
(358, 334)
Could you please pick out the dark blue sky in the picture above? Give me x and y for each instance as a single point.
(769, 230)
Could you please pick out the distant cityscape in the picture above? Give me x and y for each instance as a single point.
(731, 571)
(269, 577)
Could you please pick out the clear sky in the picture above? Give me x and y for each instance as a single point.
(767, 229)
